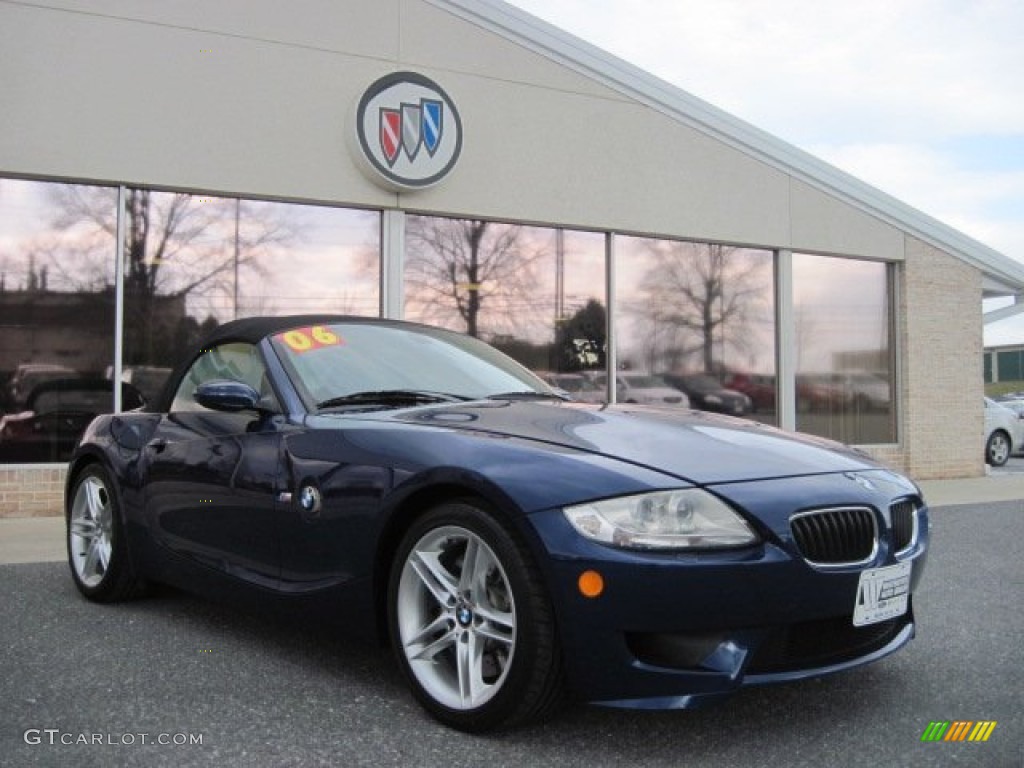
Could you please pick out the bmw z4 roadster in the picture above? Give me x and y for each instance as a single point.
(513, 547)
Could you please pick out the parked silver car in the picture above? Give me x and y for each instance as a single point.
(1003, 431)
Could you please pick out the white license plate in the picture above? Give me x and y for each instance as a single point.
(882, 594)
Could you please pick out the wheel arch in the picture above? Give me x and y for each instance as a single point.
(403, 512)
(85, 458)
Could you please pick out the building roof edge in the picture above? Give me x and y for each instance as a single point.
(644, 87)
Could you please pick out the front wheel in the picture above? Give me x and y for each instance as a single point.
(997, 451)
(471, 623)
(97, 550)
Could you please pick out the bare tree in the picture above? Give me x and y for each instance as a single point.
(696, 297)
(467, 265)
(175, 246)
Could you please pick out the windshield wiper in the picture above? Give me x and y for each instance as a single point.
(390, 397)
(528, 395)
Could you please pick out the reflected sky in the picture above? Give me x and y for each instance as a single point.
(305, 258)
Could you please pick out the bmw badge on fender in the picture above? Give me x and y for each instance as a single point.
(512, 546)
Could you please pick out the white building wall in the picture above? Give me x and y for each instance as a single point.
(253, 98)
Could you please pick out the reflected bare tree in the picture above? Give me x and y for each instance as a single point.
(175, 246)
(469, 265)
(697, 297)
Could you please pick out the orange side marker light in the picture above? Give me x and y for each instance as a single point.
(591, 584)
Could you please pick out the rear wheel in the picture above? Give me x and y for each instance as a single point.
(97, 549)
(471, 623)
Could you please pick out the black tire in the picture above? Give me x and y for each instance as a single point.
(997, 449)
(492, 625)
(101, 565)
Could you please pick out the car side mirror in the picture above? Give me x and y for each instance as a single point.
(227, 395)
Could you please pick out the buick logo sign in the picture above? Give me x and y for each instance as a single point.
(408, 131)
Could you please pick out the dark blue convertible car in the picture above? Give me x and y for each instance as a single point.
(512, 546)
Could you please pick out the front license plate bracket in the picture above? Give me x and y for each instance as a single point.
(882, 594)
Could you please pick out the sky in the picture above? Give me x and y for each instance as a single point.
(923, 99)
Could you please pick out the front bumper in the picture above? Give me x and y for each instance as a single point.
(681, 630)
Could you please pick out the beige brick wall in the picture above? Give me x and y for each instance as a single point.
(31, 491)
(943, 418)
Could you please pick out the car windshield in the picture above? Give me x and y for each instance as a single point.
(358, 364)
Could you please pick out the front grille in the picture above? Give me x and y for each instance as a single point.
(835, 536)
(904, 521)
(823, 643)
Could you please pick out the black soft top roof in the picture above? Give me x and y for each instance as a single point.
(252, 330)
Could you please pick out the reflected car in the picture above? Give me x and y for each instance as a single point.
(57, 413)
(706, 393)
(1003, 433)
(149, 380)
(424, 490)
(579, 387)
(28, 376)
(821, 392)
(644, 388)
(864, 391)
(759, 387)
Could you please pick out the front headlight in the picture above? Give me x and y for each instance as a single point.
(682, 519)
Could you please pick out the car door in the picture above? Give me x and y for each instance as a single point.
(210, 477)
(336, 485)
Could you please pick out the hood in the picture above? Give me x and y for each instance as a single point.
(702, 448)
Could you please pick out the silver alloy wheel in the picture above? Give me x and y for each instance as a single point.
(998, 449)
(456, 617)
(90, 531)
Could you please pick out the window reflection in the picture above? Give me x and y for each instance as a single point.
(57, 309)
(537, 294)
(844, 377)
(193, 262)
(701, 317)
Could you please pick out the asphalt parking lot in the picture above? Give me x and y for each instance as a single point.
(84, 684)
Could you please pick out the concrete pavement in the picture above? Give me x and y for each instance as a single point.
(41, 539)
(32, 539)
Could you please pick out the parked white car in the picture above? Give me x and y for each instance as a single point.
(646, 389)
(1003, 430)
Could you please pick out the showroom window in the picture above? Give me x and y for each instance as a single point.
(535, 293)
(696, 317)
(193, 262)
(56, 315)
(842, 318)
